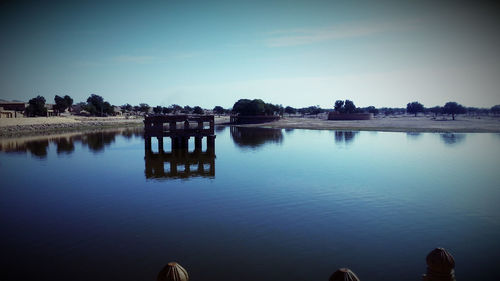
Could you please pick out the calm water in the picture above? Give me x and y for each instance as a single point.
(272, 205)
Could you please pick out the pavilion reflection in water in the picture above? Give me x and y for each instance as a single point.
(179, 164)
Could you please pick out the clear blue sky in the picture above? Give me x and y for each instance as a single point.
(207, 53)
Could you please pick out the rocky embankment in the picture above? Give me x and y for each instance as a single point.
(35, 126)
(13, 127)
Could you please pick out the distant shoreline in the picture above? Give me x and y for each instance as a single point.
(13, 127)
(462, 124)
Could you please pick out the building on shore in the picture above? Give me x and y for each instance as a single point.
(12, 109)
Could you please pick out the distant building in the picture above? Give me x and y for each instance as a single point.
(11, 109)
(13, 106)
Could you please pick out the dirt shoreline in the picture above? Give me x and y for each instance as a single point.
(462, 124)
(19, 127)
(61, 125)
(13, 127)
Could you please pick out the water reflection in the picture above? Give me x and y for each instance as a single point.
(132, 132)
(220, 129)
(255, 137)
(346, 137)
(65, 143)
(179, 164)
(97, 141)
(413, 135)
(452, 139)
(38, 148)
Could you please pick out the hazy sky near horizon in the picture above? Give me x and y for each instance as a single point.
(207, 53)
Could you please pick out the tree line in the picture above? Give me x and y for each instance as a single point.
(95, 105)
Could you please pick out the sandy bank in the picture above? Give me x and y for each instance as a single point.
(44, 125)
(462, 124)
(49, 125)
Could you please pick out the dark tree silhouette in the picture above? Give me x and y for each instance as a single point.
(339, 106)
(218, 110)
(436, 110)
(290, 110)
(198, 110)
(187, 109)
(98, 107)
(495, 109)
(36, 107)
(157, 110)
(349, 106)
(249, 107)
(166, 110)
(414, 108)
(127, 107)
(371, 109)
(176, 108)
(69, 102)
(60, 104)
(453, 108)
(144, 107)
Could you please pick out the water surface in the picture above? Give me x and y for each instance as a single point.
(269, 205)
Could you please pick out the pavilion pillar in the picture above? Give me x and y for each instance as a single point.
(211, 144)
(175, 143)
(185, 142)
(147, 143)
(160, 144)
(197, 144)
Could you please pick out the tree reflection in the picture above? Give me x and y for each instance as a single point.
(413, 135)
(452, 139)
(220, 129)
(128, 133)
(255, 137)
(65, 145)
(346, 137)
(38, 148)
(97, 141)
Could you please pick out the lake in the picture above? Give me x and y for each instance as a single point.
(269, 205)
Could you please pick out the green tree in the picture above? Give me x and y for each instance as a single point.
(144, 107)
(453, 108)
(60, 104)
(98, 107)
(95, 105)
(349, 106)
(36, 107)
(218, 110)
(187, 109)
(290, 110)
(127, 107)
(495, 109)
(339, 106)
(249, 107)
(166, 110)
(157, 110)
(372, 109)
(414, 108)
(176, 108)
(436, 110)
(198, 110)
(108, 109)
(69, 102)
